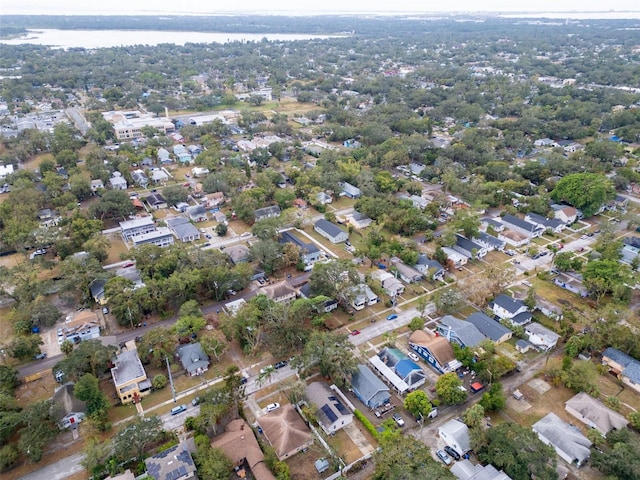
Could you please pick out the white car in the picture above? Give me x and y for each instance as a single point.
(414, 357)
(272, 406)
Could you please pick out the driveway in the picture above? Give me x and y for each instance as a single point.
(383, 326)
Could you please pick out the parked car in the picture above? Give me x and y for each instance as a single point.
(105, 310)
(398, 419)
(272, 406)
(280, 364)
(393, 316)
(511, 253)
(451, 452)
(264, 370)
(195, 401)
(444, 457)
(41, 356)
(261, 281)
(414, 357)
(60, 334)
(178, 409)
(231, 292)
(208, 236)
(355, 332)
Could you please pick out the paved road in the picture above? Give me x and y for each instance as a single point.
(383, 326)
(59, 470)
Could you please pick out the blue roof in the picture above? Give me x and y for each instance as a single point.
(618, 356)
(405, 367)
(367, 384)
(488, 327)
(465, 331)
(632, 372)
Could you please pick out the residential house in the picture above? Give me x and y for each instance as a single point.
(571, 282)
(127, 475)
(545, 142)
(456, 435)
(239, 444)
(430, 268)
(398, 369)
(458, 331)
(332, 413)
(369, 388)
(456, 258)
(490, 328)
(351, 191)
(181, 153)
(146, 162)
(97, 291)
(522, 226)
(358, 220)
(540, 336)
(233, 307)
(327, 306)
(523, 346)
(300, 203)
(309, 251)
(565, 213)
(213, 199)
(194, 150)
(548, 309)
(630, 252)
(183, 229)
(5, 170)
(81, 325)
(363, 296)
(463, 469)
(161, 237)
(594, 413)
(489, 242)
(158, 175)
(199, 171)
(96, 185)
(571, 445)
(469, 248)
(197, 213)
(194, 361)
(117, 181)
(238, 253)
(140, 178)
(267, 212)
(286, 431)
(49, 218)
(416, 200)
(181, 207)
(280, 292)
(220, 217)
(156, 201)
(323, 198)
(391, 285)
(330, 231)
(548, 224)
(506, 307)
(435, 350)
(129, 377)
(624, 366)
(513, 238)
(174, 463)
(67, 410)
(494, 223)
(163, 155)
(136, 226)
(406, 273)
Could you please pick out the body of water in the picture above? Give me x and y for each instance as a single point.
(118, 38)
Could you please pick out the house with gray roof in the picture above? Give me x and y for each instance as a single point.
(238, 253)
(458, 331)
(351, 191)
(137, 226)
(505, 307)
(183, 229)
(541, 336)
(174, 463)
(309, 251)
(494, 223)
(571, 445)
(549, 224)
(118, 182)
(530, 230)
(140, 178)
(362, 296)
(463, 469)
(369, 388)
(129, 377)
(156, 201)
(595, 414)
(330, 231)
(490, 242)
(406, 273)
(491, 329)
(429, 267)
(469, 248)
(267, 212)
(161, 237)
(197, 213)
(624, 366)
(193, 359)
(67, 410)
(332, 412)
(456, 435)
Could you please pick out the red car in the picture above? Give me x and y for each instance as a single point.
(355, 332)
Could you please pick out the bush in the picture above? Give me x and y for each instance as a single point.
(367, 423)
(159, 382)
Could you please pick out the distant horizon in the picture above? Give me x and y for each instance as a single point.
(326, 8)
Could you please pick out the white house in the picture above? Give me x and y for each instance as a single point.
(333, 415)
(137, 226)
(506, 307)
(330, 231)
(5, 170)
(183, 229)
(456, 435)
(565, 213)
(553, 224)
(391, 285)
(469, 248)
(118, 182)
(571, 445)
(363, 296)
(595, 414)
(430, 268)
(161, 237)
(540, 336)
(351, 191)
(457, 258)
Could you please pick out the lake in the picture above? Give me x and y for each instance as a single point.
(118, 38)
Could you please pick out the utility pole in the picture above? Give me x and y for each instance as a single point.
(173, 390)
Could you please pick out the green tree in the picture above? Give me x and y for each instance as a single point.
(37, 429)
(634, 420)
(581, 377)
(330, 353)
(156, 345)
(606, 276)
(416, 323)
(418, 404)
(467, 222)
(335, 279)
(586, 191)
(9, 455)
(621, 456)
(448, 389)
(516, 450)
(88, 390)
(112, 204)
(159, 381)
(189, 325)
(8, 379)
(494, 399)
(221, 229)
(175, 194)
(567, 261)
(90, 356)
(133, 438)
(212, 463)
(267, 254)
(474, 416)
(24, 347)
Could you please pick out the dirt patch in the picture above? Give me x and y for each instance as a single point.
(540, 386)
(302, 467)
(518, 405)
(344, 446)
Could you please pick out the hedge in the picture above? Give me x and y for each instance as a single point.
(367, 423)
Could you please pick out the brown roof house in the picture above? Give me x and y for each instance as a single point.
(240, 445)
(67, 410)
(435, 350)
(280, 292)
(286, 431)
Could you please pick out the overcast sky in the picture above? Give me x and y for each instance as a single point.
(119, 7)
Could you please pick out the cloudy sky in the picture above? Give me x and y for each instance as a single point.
(84, 7)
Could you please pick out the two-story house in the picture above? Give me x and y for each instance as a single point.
(129, 377)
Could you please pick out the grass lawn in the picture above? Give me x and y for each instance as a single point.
(116, 248)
